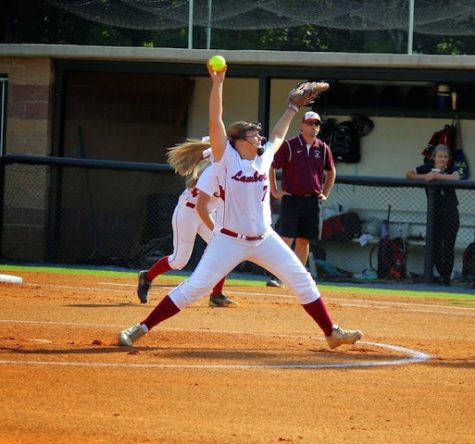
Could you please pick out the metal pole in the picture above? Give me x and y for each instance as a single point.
(3, 84)
(190, 25)
(429, 248)
(208, 29)
(3, 167)
(263, 112)
(410, 32)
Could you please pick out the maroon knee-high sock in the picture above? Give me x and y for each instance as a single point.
(318, 311)
(164, 310)
(159, 267)
(218, 288)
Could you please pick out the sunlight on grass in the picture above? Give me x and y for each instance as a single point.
(456, 298)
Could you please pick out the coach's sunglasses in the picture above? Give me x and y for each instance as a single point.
(312, 122)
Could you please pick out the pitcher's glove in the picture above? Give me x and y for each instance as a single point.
(305, 93)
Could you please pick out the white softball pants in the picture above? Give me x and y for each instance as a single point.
(186, 224)
(224, 253)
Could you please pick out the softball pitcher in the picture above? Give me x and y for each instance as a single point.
(243, 223)
(187, 224)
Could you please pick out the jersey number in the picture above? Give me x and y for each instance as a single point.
(264, 191)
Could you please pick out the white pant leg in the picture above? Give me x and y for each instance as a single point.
(221, 256)
(204, 231)
(185, 224)
(275, 256)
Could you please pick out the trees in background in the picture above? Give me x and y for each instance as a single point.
(41, 21)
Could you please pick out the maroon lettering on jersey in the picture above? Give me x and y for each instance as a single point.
(221, 192)
(254, 178)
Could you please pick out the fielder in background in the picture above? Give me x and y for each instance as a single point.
(186, 222)
(242, 230)
(446, 213)
(308, 176)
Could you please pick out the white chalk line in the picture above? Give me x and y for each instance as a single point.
(413, 356)
(381, 305)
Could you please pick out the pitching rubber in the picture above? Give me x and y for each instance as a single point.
(11, 279)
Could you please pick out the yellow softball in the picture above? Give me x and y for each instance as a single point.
(217, 63)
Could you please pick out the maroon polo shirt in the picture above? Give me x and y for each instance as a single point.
(302, 169)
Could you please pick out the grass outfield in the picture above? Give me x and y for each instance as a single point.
(464, 296)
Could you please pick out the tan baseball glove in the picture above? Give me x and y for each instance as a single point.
(305, 93)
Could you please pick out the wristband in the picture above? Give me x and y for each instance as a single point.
(294, 107)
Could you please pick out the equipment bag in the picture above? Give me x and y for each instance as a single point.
(446, 136)
(392, 258)
(459, 159)
(342, 227)
(345, 143)
(363, 124)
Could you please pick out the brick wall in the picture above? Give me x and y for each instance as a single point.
(28, 131)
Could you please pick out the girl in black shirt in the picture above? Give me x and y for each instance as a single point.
(446, 215)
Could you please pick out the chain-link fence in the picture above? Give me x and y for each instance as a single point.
(71, 215)
(84, 212)
(397, 229)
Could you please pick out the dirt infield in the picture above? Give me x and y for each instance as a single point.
(258, 373)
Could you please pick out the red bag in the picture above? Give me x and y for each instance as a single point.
(446, 136)
(392, 258)
(333, 227)
(342, 227)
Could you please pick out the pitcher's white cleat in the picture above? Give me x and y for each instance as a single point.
(131, 334)
(340, 337)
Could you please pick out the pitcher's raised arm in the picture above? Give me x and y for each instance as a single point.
(217, 130)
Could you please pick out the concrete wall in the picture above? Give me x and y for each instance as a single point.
(240, 102)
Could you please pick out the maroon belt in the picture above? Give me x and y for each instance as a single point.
(241, 236)
(190, 205)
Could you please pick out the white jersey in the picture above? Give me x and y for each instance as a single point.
(244, 209)
(206, 182)
(244, 203)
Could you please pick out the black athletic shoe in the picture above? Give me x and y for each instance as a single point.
(221, 301)
(143, 287)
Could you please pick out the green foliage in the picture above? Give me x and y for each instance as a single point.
(39, 21)
(450, 46)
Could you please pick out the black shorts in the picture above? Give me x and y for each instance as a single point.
(300, 217)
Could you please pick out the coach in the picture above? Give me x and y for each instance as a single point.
(308, 176)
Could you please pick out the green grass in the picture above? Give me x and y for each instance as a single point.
(65, 270)
(457, 298)
(406, 293)
(173, 277)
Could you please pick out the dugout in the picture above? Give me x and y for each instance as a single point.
(123, 104)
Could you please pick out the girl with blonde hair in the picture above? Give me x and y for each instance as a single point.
(192, 160)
